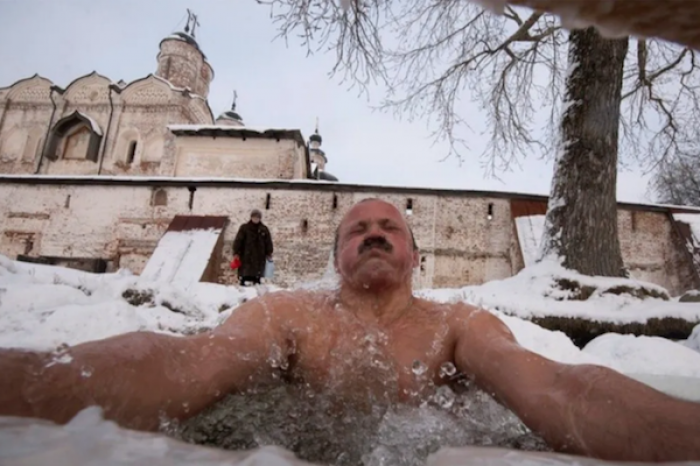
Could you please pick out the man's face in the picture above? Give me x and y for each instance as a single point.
(375, 248)
(255, 219)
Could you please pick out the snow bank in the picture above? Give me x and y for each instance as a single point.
(553, 345)
(532, 293)
(43, 306)
(693, 342)
(645, 355)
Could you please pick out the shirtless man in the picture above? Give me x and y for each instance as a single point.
(316, 339)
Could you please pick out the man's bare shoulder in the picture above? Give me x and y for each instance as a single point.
(278, 307)
(468, 320)
(451, 311)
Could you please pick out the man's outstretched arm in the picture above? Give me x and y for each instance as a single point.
(582, 409)
(139, 378)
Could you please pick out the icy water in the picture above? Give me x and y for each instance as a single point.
(90, 440)
(317, 430)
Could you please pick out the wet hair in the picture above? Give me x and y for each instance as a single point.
(336, 240)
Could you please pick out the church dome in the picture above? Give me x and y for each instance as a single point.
(324, 175)
(182, 62)
(230, 115)
(316, 138)
(183, 36)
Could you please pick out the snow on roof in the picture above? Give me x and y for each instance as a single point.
(530, 229)
(181, 257)
(254, 129)
(693, 221)
(223, 181)
(175, 88)
(365, 187)
(156, 179)
(175, 36)
(195, 130)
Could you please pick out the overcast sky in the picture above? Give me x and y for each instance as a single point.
(277, 84)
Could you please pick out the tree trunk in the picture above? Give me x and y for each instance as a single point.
(581, 222)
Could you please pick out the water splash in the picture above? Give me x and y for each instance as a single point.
(61, 355)
(444, 397)
(418, 367)
(86, 371)
(276, 359)
(447, 369)
(327, 429)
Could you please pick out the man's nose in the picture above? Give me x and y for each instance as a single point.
(374, 230)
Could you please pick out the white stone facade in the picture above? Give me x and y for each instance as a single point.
(97, 127)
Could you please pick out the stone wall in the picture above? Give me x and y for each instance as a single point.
(236, 157)
(460, 245)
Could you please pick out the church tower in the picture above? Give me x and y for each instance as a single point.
(318, 158)
(183, 63)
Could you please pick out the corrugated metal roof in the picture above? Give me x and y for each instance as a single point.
(197, 222)
(527, 208)
(691, 244)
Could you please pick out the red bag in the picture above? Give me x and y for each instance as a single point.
(235, 263)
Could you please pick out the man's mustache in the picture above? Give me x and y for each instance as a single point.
(375, 242)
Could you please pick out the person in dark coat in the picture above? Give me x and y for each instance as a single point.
(253, 247)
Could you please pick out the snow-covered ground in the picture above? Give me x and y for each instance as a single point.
(532, 293)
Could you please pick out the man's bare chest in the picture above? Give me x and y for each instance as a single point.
(400, 364)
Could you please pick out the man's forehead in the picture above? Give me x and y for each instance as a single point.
(373, 209)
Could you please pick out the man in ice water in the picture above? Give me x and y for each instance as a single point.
(323, 341)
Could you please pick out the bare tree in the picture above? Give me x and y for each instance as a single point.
(434, 54)
(677, 181)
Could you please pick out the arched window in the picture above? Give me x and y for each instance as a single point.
(131, 153)
(159, 197)
(76, 143)
(76, 136)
